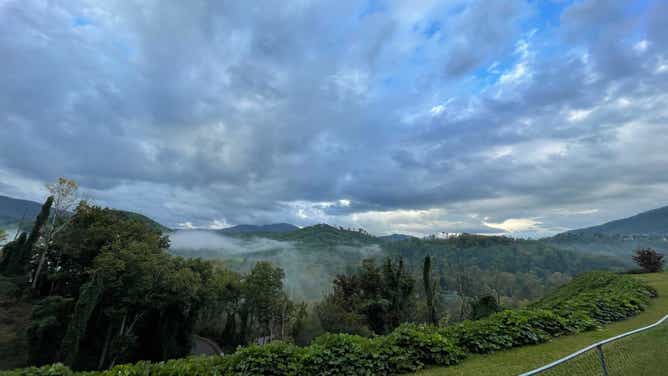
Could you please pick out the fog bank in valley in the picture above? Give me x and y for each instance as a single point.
(309, 268)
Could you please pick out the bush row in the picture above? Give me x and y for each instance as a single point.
(604, 296)
(588, 301)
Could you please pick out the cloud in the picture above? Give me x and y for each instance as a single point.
(513, 225)
(419, 118)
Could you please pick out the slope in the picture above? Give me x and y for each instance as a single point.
(522, 359)
(652, 222)
(259, 229)
(142, 218)
(620, 237)
(13, 210)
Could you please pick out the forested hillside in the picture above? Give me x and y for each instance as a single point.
(313, 256)
(652, 222)
(620, 237)
(13, 211)
(97, 287)
(255, 229)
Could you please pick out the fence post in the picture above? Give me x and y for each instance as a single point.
(602, 359)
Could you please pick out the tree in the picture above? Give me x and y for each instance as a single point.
(3, 235)
(429, 290)
(649, 260)
(64, 196)
(16, 254)
(263, 294)
(371, 298)
(398, 290)
(484, 307)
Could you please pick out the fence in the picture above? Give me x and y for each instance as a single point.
(643, 351)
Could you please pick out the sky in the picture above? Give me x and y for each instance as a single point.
(524, 118)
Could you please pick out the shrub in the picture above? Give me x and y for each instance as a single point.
(603, 296)
(343, 354)
(484, 307)
(411, 346)
(275, 358)
(48, 325)
(649, 260)
(50, 370)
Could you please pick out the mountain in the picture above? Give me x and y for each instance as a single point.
(142, 218)
(248, 229)
(313, 256)
(324, 234)
(13, 210)
(651, 223)
(620, 237)
(395, 237)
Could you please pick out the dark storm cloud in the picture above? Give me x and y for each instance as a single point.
(340, 111)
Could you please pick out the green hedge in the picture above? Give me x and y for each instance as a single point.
(514, 328)
(583, 304)
(604, 296)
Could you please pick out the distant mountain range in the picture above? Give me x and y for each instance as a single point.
(620, 237)
(653, 222)
(13, 211)
(396, 237)
(271, 228)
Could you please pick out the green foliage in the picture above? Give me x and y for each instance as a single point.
(344, 354)
(325, 234)
(429, 290)
(411, 347)
(378, 298)
(498, 253)
(510, 329)
(603, 296)
(484, 307)
(144, 219)
(48, 324)
(276, 358)
(83, 310)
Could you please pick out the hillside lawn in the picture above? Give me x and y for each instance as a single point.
(522, 359)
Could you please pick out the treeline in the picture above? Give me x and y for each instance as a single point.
(105, 290)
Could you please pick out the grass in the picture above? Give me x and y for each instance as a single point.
(522, 359)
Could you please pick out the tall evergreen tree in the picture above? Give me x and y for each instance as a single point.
(429, 290)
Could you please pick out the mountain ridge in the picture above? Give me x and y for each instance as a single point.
(15, 210)
(650, 222)
(268, 228)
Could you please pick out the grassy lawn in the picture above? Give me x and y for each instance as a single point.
(522, 359)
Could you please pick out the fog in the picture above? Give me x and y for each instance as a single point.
(309, 268)
(200, 240)
(11, 232)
